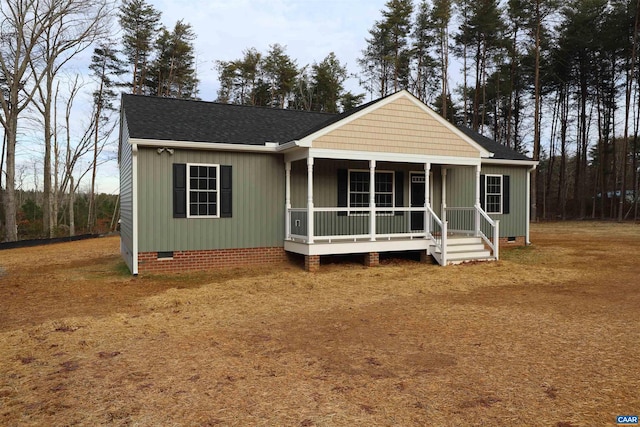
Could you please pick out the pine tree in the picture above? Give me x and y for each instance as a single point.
(280, 73)
(105, 68)
(424, 74)
(140, 23)
(440, 18)
(327, 78)
(173, 72)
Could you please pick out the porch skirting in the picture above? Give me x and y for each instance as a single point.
(169, 262)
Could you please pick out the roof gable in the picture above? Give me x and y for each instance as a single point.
(399, 123)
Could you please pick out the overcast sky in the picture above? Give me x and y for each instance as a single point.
(310, 30)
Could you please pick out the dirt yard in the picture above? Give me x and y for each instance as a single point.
(548, 336)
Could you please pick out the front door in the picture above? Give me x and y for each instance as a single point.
(417, 201)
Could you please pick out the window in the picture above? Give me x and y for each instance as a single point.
(359, 189)
(493, 194)
(203, 190)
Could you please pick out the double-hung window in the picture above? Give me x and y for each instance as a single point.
(203, 190)
(360, 188)
(493, 194)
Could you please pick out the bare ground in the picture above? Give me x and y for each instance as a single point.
(547, 336)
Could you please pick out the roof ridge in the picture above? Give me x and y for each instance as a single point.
(226, 104)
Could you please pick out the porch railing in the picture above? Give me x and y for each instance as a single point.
(438, 233)
(489, 230)
(353, 224)
(475, 221)
(342, 223)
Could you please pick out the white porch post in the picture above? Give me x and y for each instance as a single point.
(477, 202)
(444, 194)
(309, 199)
(372, 200)
(427, 199)
(287, 200)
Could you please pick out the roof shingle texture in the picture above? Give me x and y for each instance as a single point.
(197, 121)
(185, 120)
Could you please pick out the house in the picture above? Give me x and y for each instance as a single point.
(206, 184)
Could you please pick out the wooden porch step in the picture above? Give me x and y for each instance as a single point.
(463, 249)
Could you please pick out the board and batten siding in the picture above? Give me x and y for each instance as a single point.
(126, 195)
(515, 223)
(257, 202)
(398, 127)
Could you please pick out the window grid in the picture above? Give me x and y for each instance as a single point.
(359, 187)
(493, 194)
(203, 190)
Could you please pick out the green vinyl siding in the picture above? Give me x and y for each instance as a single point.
(257, 199)
(513, 224)
(126, 195)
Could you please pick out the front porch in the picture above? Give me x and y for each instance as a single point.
(396, 216)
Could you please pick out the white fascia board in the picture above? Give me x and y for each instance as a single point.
(506, 162)
(307, 141)
(321, 153)
(209, 146)
(295, 155)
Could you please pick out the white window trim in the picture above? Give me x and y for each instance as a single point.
(486, 193)
(217, 166)
(393, 191)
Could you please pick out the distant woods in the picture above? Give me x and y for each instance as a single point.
(557, 80)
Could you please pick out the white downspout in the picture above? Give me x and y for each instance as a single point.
(287, 201)
(134, 206)
(528, 210)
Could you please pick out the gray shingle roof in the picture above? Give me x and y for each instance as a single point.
(185, 120)
(499, 151)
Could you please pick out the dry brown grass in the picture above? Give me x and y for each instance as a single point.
(547, 336)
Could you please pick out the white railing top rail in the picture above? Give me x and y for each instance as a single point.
(348, 209)
(434, 216)
(486, 216)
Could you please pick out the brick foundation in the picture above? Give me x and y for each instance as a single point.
(372, 259)
(312, 262)
(148, 262)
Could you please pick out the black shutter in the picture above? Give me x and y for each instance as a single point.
(482, 191)
(179, 190)
(506, 199)
(343, 182)
(225, 192)
(399, 184)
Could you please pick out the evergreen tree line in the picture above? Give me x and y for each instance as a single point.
(560, 77)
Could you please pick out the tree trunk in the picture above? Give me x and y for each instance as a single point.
(9, 199)
(72, 202)
(536, 116)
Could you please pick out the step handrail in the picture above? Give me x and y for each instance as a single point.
(495, 225)
(440, 243)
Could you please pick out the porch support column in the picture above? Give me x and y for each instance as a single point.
(309, 199)
(372, 200)
(444, 194)
(427, 199)
(287, 200)
(477, 202)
